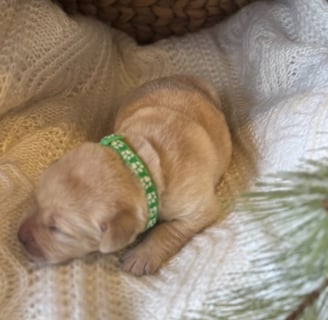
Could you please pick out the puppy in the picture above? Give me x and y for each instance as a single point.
(90, 200)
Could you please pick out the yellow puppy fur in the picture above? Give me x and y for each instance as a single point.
(90, 201)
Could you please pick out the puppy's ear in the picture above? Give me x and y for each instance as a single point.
(118, 232)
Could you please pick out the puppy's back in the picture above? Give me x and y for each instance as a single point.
(168, 92)
(193, 97)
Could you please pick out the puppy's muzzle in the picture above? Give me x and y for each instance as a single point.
(26, 238)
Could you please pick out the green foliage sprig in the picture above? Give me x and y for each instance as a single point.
(288, 278)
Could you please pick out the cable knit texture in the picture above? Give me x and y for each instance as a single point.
(61, 79)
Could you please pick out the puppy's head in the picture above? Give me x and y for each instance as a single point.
(87, 201)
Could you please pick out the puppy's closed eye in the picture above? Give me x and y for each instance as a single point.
(51, 224)
(54, 229)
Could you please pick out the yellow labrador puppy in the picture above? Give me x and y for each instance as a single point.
(158, 172)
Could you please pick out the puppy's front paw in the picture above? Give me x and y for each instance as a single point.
(140, 261)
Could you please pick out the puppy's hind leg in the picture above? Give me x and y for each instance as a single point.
(165, 240)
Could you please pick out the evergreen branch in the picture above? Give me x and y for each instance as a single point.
(288, 233)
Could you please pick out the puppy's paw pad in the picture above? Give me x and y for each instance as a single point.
(139, 261)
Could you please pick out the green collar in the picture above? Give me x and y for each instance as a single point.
(117, 143)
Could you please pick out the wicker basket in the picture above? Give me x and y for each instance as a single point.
(151, 20)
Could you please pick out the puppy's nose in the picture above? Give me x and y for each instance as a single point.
(25, 235)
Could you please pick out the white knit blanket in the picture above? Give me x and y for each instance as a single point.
(60, 80)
